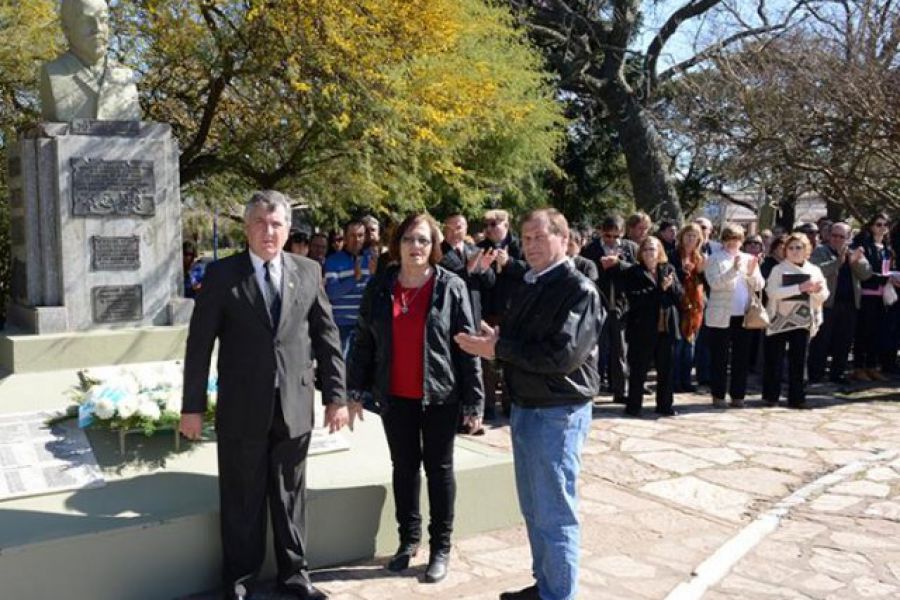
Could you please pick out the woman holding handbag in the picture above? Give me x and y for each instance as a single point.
(796, 292)
(733, 278)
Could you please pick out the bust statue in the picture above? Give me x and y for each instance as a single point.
(84, 83)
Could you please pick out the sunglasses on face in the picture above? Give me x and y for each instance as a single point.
(881, 224)
(492, 223)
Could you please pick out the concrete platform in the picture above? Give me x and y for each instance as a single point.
(152, 532)
(29, 353)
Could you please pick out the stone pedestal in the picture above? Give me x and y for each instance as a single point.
(95, 227)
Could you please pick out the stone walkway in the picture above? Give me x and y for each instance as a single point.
(660, 496)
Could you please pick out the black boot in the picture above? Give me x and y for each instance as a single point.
(405, 553)
(437, 565)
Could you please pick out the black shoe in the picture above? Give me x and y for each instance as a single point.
(619, 400)
(798, 405)
(302, 591)
(667, 413)
(840, 380)
(437, 566)
(689, 388)
(636, 414)
(529, 593)
(400, 560)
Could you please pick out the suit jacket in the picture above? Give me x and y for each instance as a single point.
(609, 281)
(456, 263)
(231, 308)
(495, 301)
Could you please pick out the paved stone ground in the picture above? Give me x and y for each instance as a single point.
(659, 496)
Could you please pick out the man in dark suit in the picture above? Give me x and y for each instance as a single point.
(613, 255)
(472, 264)
(272, 319)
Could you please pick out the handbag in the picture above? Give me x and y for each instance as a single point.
(889, 294)
(756, 316)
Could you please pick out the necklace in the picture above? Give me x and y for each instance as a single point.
(404, 303)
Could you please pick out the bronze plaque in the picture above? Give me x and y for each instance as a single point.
(15, 198)
(15, 166)
(17, 231)
(117, 303)
(115, 253)
(105, 128)
(123, 188)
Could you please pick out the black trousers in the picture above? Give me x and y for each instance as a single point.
(646, 348)
(796, 341)
(252, 474)
(729, 346)
(834, 339)
(418, 435)
(869, 328)
(615, 365)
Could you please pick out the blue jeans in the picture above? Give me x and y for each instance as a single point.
(684, 362)
(547, 445)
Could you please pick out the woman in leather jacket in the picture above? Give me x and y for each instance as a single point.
(654, 294)
(404, 354)
(872, 319)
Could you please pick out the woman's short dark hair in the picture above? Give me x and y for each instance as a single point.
(407, 224)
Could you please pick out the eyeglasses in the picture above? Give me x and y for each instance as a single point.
(839, 236)
(492, 223)
(421, 241)
(881, 224)
(339, 238)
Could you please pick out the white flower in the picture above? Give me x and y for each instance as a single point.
(127, 406)
(104, 408)
(148, 410)
(173, 401)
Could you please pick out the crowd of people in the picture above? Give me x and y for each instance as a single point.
(439, 329)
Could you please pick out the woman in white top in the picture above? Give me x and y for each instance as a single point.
(732, 276)
(797, 290)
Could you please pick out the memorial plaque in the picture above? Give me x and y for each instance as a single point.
(17, 231)
(115, 253)
(117, 303)
(15, 166)
(15, 198)
(113, 188)
(106, 128)
(19, 279)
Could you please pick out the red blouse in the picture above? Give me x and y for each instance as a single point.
(410, 310)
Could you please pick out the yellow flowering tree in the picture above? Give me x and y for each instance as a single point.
(385, 105)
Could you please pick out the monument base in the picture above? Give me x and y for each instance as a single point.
(153, 531)
(26, 353)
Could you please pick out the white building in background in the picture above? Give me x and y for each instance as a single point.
(810, 208)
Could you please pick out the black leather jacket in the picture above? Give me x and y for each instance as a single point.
(548, 340)
(450, 374)
(495, 301)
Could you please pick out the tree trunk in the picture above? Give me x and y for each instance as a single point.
(787, 212)
(654, 192)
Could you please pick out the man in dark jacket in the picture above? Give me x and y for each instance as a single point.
(509, 267)
(547, 344)
(474, 265)
(613, 255)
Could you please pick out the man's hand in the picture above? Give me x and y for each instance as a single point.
(482, 345)
(191, 425)
(473, 425)
(335, 417)
(608, 262)
(857, 255)
(355, 411)
(474, 264)
(502, 257)
(738, 261)
(752, 265)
